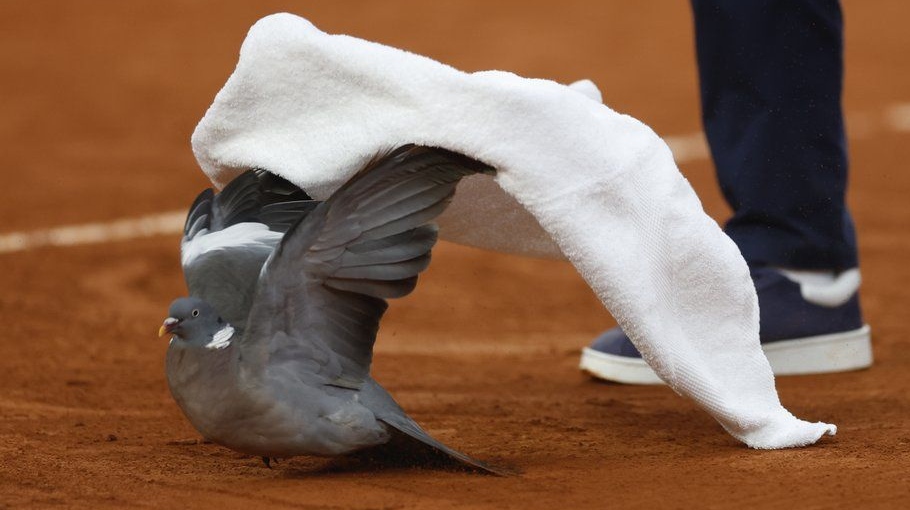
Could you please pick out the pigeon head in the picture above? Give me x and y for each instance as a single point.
(194, 321)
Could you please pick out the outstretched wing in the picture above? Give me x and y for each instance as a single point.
(229, 236)
(323, 292)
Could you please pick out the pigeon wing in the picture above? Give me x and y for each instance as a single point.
(228, 237)
(323, 291)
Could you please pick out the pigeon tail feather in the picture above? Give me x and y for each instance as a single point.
(378, 400)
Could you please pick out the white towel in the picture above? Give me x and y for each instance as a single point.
(313, 107)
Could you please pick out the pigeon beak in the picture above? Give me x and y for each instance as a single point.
(169, 324)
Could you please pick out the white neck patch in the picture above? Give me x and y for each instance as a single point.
(221, 338)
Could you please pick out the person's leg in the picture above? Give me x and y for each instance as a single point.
(771, 74)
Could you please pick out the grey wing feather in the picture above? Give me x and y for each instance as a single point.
(282, 203)
(221, 259)
(254, 196)
(332, 272)
(198, 217)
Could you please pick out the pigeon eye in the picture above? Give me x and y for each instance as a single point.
(196, 313)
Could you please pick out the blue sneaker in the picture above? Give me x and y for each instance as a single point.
(810, 324)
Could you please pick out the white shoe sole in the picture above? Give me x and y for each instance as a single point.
(837, 352)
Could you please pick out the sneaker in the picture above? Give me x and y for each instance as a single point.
(810, 324)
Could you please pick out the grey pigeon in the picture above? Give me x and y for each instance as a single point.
(271, 353)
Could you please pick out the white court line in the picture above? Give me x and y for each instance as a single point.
(93, 233)
(686, 148)
(897, 117)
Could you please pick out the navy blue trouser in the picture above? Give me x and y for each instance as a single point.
(771, 74)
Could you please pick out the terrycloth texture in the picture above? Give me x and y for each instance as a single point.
(312, 107)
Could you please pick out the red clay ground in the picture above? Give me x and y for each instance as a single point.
(99, 99)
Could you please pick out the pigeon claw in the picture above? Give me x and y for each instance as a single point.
(268, 461)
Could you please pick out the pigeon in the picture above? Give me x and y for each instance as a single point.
(270, 354)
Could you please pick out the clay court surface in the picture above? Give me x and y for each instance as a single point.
(98, 103)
